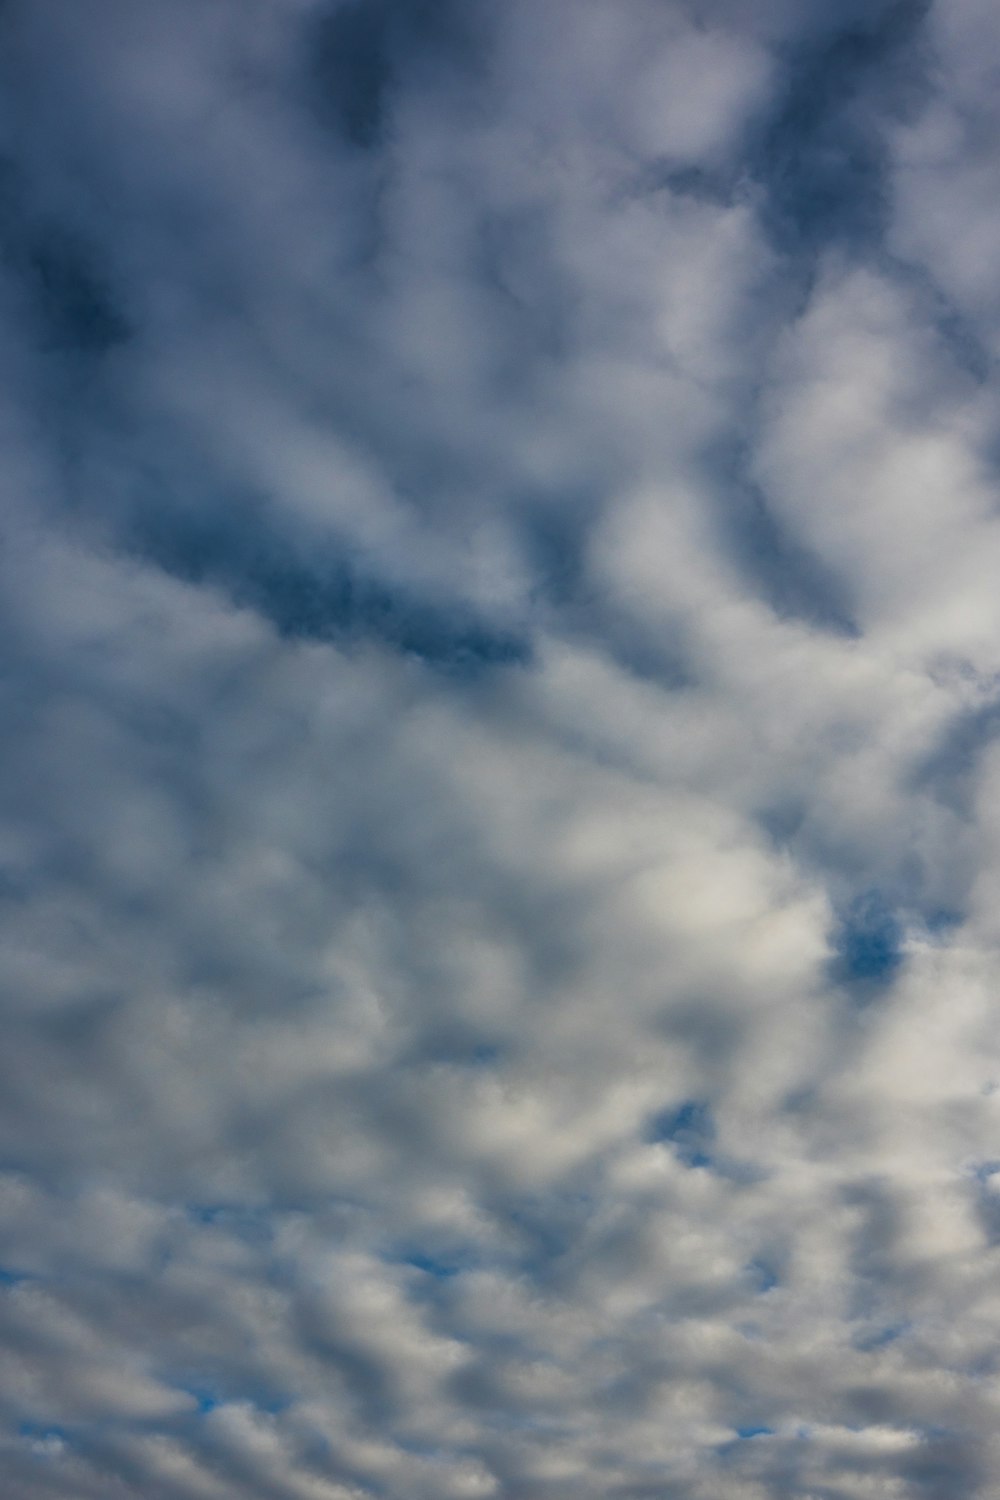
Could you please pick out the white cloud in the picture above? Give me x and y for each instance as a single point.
(498, 856)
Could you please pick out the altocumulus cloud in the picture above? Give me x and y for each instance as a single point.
(500, 860)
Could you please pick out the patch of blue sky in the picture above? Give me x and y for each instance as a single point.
(821, 157)
(729, 1450)
(251, 1224)
(870, 1340)
(948, 768)
(987, 1199)
(356, 51)
(44, 1435)
(206, 1398)
(547, 1231)
(763, 1275)
(439, 1267)
(309, 588)
(794, 581)
(868, 943)
(76, 308)
(458, 1047)
(209, 1394)
(689, 1128)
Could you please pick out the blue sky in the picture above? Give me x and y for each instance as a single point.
(499, 854)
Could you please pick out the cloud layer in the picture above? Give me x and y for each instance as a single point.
(500, 858)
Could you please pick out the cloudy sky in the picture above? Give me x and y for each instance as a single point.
(500, 851)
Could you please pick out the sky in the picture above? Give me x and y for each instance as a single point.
(500, 836)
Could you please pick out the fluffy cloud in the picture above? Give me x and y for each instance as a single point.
(499, 846)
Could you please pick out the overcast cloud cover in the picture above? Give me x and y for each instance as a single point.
(500, 856)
